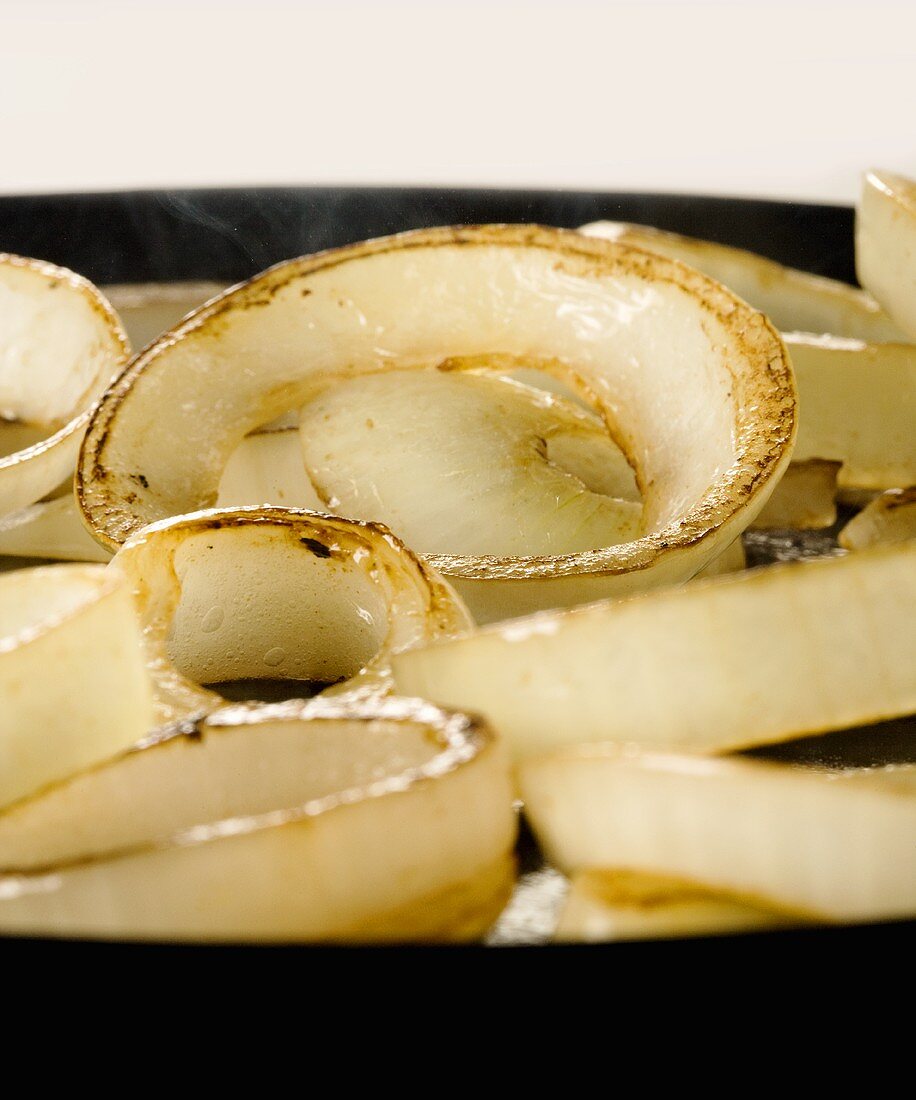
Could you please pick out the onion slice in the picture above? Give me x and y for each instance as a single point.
(72, 676)
(747, 659)
(254, 593)
(805, 497)
(696, 384)
(857, 404)
(602, 906)
(267, 468)
(824, 844)
(350, 823)
(886, 244)
(458, 462)
(60, 345)
(50, 529)
(889, 518)
(795, 301)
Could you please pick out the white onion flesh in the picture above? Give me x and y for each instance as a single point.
(72, 676)
(696, 385)
(459, 463)
(267, 468)
(857, 404)
(889, 518)
(794, 300)
(804, 498)
(255, 593)
(886, 244)
(827, 845)
(60, 345)
(50, 529)
(741, 660)
(388, 822)
(603, 906)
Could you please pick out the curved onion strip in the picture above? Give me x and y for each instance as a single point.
(857, 404)
(458, 462)
(834, 845)
(706, 414)
(388, 822)
(60, 345)
(886, 244)
(889, 518)
(149, 309)
(627, 905)
(805, 497)
(794, 300)
(72, 677)
(50, 529)
(740, 660)
(267, 468)
(254, 593)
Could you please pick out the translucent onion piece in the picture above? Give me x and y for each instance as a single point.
(60, 345)
(149, 309)
(390, 822)
(459, 463)
(857, 404)
(50, 529)
(886, 244)
(829, 845)
(625, 905)
(71, 674)
(805, 497)
(267, 468)
(889, 518)
(697, 384)
(255, 593)
(740, 660)
(794, 300)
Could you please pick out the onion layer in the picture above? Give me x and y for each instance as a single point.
(886, 244)
(627, 905)
(696, 384)
(857, 404)
(60, 345)
(805, 497)
(794, 300)
(253, 593)
(388, 822)
(740, 660)
(828, 845)
(889, 518)
(71, 674)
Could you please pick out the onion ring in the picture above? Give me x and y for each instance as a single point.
(706, 413)
(249, 593)
(387, 822)
(60, 345)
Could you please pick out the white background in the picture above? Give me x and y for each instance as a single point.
(786, 100)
